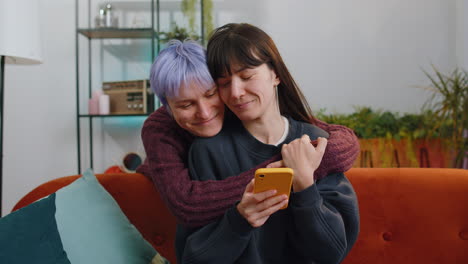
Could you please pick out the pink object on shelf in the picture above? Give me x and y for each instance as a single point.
(93, 106)
(97, 93)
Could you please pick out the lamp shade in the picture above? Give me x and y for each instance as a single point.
(20, 41)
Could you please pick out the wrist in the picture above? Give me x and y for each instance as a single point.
(303, 181)
(238, 222)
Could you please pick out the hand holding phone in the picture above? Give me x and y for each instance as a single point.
(279, 179)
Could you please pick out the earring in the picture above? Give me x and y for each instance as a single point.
(277, 99)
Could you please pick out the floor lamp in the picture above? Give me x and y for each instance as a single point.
(19, 44)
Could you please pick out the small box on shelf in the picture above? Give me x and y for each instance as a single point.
(129, 97)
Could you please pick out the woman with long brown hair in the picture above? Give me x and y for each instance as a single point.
(321, 223)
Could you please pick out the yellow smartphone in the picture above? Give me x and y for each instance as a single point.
(279, 179)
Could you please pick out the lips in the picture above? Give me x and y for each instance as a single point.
(206, 121)
(242, 105)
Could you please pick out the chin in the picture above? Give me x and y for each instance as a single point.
(208, 132)
(245, 117)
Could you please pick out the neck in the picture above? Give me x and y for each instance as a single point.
(267, 129)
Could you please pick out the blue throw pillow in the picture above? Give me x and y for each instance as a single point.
(30, 235)
(83, 220)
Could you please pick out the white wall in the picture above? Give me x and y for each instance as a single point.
(39, 124)
(342, 53)
(462, 33)
(363, 52)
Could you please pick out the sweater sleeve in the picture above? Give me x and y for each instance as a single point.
(326, 220)
(194, 203)
(341, 152)
(222, 241)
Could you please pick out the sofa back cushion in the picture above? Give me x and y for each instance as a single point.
(411, 215)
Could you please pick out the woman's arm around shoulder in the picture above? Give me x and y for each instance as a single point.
(341, 152)
(194, 203)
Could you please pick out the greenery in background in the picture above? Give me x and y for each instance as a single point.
(444, 115)
(449, 102)
(189, 10)
(177, 32)
(369, 123)
(208, 17)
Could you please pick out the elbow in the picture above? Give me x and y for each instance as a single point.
(338, 252)
(330, 257)
(334, 256)
(329, 251)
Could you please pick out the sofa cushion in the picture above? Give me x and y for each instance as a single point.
(30, 235)
(92, 227)
(411, 215)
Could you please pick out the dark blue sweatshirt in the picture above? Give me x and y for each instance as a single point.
(320, 224)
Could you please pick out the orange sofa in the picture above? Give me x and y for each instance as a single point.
(408, 215)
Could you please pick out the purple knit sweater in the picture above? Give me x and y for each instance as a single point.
(197, 203)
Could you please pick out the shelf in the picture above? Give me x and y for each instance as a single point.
(117, 115)
(105, 33)
(127, 45)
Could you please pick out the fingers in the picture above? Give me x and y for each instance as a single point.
(256, 208)
(322, 144)
(268, 206)
(305, 139)
(263, 216)
(259, 197)
(250, 186)
(277, 164)
(258, 215)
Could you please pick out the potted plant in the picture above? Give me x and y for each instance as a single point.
(449, 105)
(189, 10)
(177, 32)
(389, 139)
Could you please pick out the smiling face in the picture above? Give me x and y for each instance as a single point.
(250, 92)
(199, 111)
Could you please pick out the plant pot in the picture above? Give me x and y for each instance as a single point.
(386, 153)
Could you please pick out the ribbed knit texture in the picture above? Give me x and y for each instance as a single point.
(197, 203)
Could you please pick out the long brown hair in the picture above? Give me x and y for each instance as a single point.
(248, 46)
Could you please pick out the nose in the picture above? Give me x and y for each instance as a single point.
(203, 111)
(237, 89)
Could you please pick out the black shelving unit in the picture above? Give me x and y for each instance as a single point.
(106, 33)
(91, 34)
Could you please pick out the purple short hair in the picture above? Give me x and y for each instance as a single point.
(179, 64)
